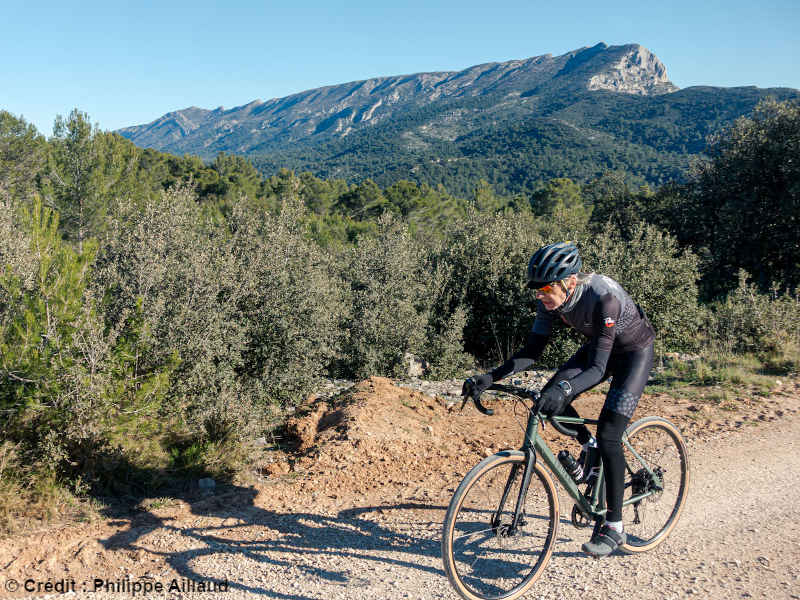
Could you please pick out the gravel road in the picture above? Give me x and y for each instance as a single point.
(738, 538)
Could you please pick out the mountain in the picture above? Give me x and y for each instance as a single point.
(336, 111)
(514, 123)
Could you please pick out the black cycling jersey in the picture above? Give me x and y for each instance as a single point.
(601, 310)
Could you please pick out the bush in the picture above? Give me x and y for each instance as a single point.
(390, 295)
(488, 255)
(444, 347)
(164, 262)
(289, 300)
(247, 308)
(748, 321)
(67, 382)
(659, 276)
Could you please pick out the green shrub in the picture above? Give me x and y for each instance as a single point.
(164, 259)
(444, 348)
(289, 301)
(68, 383)
(748, 321)
(659, 276)
(390, 300)
(248, 307)
(488, 255)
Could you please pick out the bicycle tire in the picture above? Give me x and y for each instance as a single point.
(482, 562)
(662, 446)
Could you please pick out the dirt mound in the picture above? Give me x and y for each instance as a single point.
(371, 412)
(379, 442)
(375, 435)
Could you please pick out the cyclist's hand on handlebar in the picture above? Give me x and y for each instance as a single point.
(553, 401)
(475, 386)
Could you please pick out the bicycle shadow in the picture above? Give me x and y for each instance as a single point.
(288, 539)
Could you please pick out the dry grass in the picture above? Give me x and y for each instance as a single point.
(717, 375)
(30, 498)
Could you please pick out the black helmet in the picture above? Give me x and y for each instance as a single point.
(553, 263)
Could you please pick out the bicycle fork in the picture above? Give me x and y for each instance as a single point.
(529, 448)
(519, 512)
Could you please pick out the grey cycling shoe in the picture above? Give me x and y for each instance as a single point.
(604, 542)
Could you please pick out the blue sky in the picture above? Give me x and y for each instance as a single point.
(127, 63)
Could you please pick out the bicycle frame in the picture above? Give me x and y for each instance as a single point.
(592, 506)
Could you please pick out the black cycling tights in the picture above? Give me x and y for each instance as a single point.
(630, 372)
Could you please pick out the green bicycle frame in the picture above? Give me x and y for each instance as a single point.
(592, 506)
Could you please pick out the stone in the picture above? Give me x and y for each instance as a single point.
(415, 367)
(206, 483)
(279, 467)
(638, 71)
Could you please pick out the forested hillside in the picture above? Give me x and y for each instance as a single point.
(158, 314)
(651, 139)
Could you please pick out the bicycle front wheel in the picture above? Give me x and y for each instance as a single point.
(485, 555)
(656, 447)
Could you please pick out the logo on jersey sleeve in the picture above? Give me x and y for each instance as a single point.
(610, 322)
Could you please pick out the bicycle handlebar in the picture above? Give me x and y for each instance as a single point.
(563, 429)
(522, 393)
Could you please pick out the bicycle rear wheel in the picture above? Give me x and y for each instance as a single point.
(484, 556)
(662, 450)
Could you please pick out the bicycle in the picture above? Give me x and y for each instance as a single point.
(502, 522)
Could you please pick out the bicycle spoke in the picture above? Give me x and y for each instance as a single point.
(466, 535)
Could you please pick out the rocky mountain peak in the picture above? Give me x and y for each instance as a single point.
(632, 69)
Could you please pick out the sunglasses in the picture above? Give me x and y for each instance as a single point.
(545, 289)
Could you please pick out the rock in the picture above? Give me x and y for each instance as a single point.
(415, 367)
(206, 483)
(278, 467)
(636, 70)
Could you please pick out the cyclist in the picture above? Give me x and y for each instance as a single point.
(620, 345)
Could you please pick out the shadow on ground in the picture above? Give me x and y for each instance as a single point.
(287, 539)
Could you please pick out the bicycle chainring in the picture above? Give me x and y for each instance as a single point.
(579, 518)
